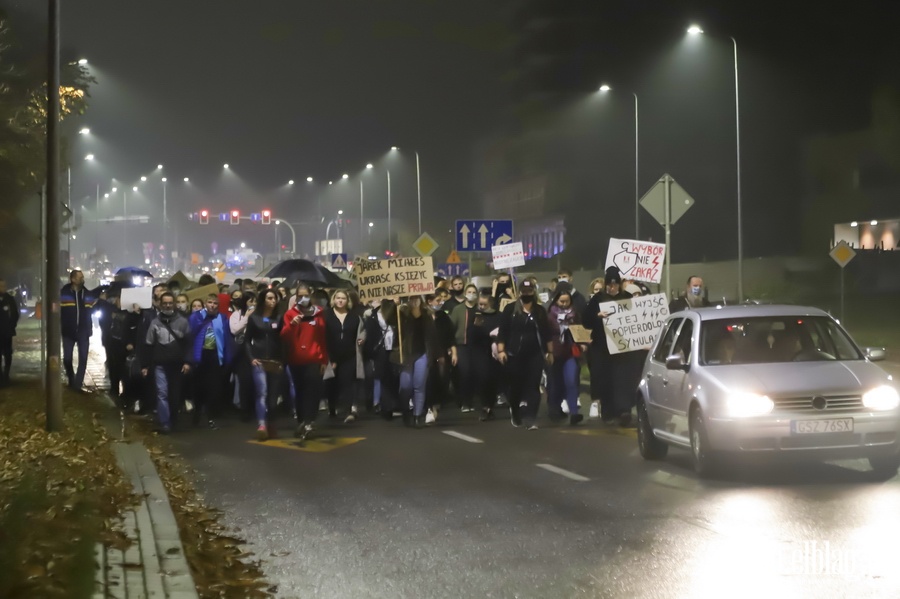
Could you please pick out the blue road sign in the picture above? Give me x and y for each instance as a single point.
(339, 261)
(482, 235)
(453, 270)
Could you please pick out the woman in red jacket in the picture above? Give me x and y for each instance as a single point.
(305, 353)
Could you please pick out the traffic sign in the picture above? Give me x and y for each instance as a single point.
(425, 245)
(453, 270)
(654, 201)
(453, 258)
(482, 235)
(842, 253)
(339, 261)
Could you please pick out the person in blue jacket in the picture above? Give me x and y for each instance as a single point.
(76, 309)
(212, 352)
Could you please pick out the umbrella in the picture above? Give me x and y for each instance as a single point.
(297, 269)
(133, 271)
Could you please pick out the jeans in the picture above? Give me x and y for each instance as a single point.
(266, 385)
(412, 384)
(564, 384)
(308, 384)
(168, 387)
(76, 379)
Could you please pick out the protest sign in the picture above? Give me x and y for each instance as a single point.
(633, 324)
(508, 255)
(201, 293)
(142, 296)
(395, 278)
(580, 334)
(637, 260)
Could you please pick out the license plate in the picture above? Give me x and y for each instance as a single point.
(830, 425)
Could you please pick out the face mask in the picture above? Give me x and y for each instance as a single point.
(169, 312)
(471, 297)
(182, 306)
(527, 299)
(437, 305)
(303, 301)
(695, 290)
(545, 297)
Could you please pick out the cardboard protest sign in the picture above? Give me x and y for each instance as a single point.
(200, 293)
(395, 278)
(634, 323)
(580, 334)
(508, 255)
(637, 260)
(180, 280)
(142, 296)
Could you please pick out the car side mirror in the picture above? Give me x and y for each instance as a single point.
(875, 354)
(675, 362)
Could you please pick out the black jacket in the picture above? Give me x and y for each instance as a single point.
(446, 334)
(75, 311)
(592, 320)
(9, 315)
(340, 338)
(262, 340)
(521, 332)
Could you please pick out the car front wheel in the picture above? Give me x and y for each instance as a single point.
(649, 444)
(706, 462)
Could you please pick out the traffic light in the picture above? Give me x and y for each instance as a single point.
(204, 217)
(267, 217)
(235, 217)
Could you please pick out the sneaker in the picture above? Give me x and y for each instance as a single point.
(188, 405)
(350, 418)
(532, 427)
(565, 408)
(515, 418)
(595, 410)
(262, 433)
(323, 405)
(466, 409)
(430, 417)
(574, 419)
(501, 400)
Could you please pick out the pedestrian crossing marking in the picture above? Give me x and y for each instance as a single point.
(602, 432)
(315, 445)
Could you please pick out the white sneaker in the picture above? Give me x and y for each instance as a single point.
(595, 410)
(430, 417)
(323, 405)
(565, 407)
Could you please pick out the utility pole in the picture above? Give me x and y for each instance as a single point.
(52, 381)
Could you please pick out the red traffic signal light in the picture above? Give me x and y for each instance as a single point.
(235, 217)
(266, 217)
(204, 217)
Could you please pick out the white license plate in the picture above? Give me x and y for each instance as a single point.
(830, 425)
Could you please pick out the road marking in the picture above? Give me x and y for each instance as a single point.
(314, 445)
(463, 437)
(601, 432)
(561, 472)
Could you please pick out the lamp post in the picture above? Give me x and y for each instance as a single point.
(390, 247)
(697, 30)
(293, 236)
(637, 212)
(418, 186)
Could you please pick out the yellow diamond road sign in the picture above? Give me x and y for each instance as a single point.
(425, 245)
(842, 253)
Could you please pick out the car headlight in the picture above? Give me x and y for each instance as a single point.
(743, 405)
(884, 397)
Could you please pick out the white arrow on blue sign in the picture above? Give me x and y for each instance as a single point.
(482, 235)
(453, 270)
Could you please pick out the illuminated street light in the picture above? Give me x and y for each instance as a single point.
(309, 179)
(82, 61)
(164, 179)
(291, 182)
(369, 165)
(873, 223)
(331, 182)
(186, 180)
(854, 224)
(371, 224)
(105, 195)
(89, 157)
(395, 148)
(694, 30)
(605, 88)
(159, 167)
(84, 131)
(225, 166)
(115, 189)
(143, 178)
(345, 176)
(243, 245)
(134, 188)
(340, 212)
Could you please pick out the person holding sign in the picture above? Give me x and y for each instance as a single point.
(565, 372)
(419, 349)
(303, 334)
(525, 346)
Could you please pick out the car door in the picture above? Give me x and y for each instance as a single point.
(657, 375)
(678, 390)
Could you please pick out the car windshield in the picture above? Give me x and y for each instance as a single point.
(774, 339)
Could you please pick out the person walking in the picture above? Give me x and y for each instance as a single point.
(565, 372)
(241, 371)
(262, 341)
(76, 326)
(9, 319)
(344, 335)
(418, 349)
(212, 352)
(169, 359)
(303, 334)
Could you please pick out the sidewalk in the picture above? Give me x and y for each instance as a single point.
(154, 565)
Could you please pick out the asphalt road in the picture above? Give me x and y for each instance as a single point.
(421, 513)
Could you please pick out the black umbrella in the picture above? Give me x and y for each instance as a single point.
(297, 269)
(133, 271)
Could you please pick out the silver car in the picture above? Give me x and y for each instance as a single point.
(766, 380)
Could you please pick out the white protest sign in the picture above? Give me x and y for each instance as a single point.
(637, 260)
(508, 255)
(634, 323)
(394, 278)
(142, 296)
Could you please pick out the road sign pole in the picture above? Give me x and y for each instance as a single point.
(842, 298)
(667, 181)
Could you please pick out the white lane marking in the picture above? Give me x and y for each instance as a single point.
(561, 472)
(463, 437)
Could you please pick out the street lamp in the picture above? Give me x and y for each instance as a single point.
(225, 166)
(186, 180)
(291, 182)
(159, 167)
(637, 213)
(84, 131)
(345, 176)
(143, 178)
(418, 186)
(89, 157)
(695, 30)
(82, 61)
(370, 166)
(309, 179)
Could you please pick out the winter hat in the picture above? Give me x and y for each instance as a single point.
(612, 275)
(632, 288)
